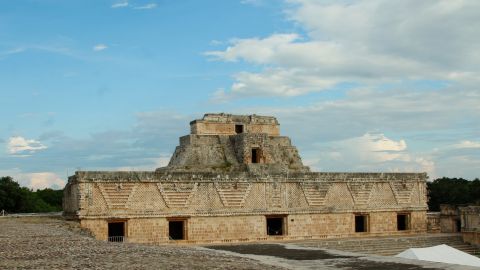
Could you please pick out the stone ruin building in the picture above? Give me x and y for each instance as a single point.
(235, 178)
(470, 224)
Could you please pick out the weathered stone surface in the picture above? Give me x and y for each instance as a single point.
(226, 124)
(216, 144)
(470, 223)
(224, 182)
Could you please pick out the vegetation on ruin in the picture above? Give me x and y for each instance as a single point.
(17, 199)
(454, 191)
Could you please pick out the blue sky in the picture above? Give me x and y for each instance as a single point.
(358, 85)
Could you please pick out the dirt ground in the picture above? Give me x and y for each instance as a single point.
(52, 243)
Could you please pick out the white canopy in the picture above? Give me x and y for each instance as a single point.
(440, 253)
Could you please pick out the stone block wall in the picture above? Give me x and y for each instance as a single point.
(71, 199)
(253, 227)
(227, 176)
(232, 153)
(471, 237)
(200, 128)
(98, 227)
(433, 222)
(147, 230)
(449, 218)
(224, 124)
(449, 224)
(199, 194)
(470, 219)
(419, 221)
(230, 208)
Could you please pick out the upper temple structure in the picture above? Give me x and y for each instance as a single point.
(235, 143)
(235, 178)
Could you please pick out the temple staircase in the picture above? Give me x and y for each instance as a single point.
(390, 245)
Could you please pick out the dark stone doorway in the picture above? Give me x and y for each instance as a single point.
(275, 226)
(116, 231)
(361, 223)
(402, 222)
(238, 129)
(458, 225)
(255, 155)
(176, 229)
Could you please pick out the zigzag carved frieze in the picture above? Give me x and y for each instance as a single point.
(177, 194)
(233, 194)
(360, 191)
(315, 193)
(116, 195)
(403, 191)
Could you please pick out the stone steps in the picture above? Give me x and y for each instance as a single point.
(392, 245)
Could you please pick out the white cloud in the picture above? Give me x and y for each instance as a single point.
(43, 180)
(467, 144)
(21, 146)
(273, 82)
(369, 152)
(375, 148)
(36, 180)
(441, 127)
(147, 6)
(125, 4)
(367, 42)
(100, 47)
(120, 5)
(254, 49)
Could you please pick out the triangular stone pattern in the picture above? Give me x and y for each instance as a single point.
(117, 195)
(315, 193)
(403, 191)
(233, 194)
(339, 196)
(360, 192)
(382, 195)
(177, 194)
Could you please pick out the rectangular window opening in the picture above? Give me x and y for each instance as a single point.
(176, 230)
(403, 222)
(275, 226)
(116, 231)
(255, 155)
(361, 223)
(238, 129)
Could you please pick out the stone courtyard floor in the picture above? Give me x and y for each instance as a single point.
(297, 257)
(52, 243)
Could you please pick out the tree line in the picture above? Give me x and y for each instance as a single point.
(17, 199)
(452, 191)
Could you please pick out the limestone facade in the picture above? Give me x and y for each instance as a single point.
(470, 219)
(449, 218)
(433, 222)
(227, 183)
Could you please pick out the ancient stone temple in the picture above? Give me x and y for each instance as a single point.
(235, 178)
